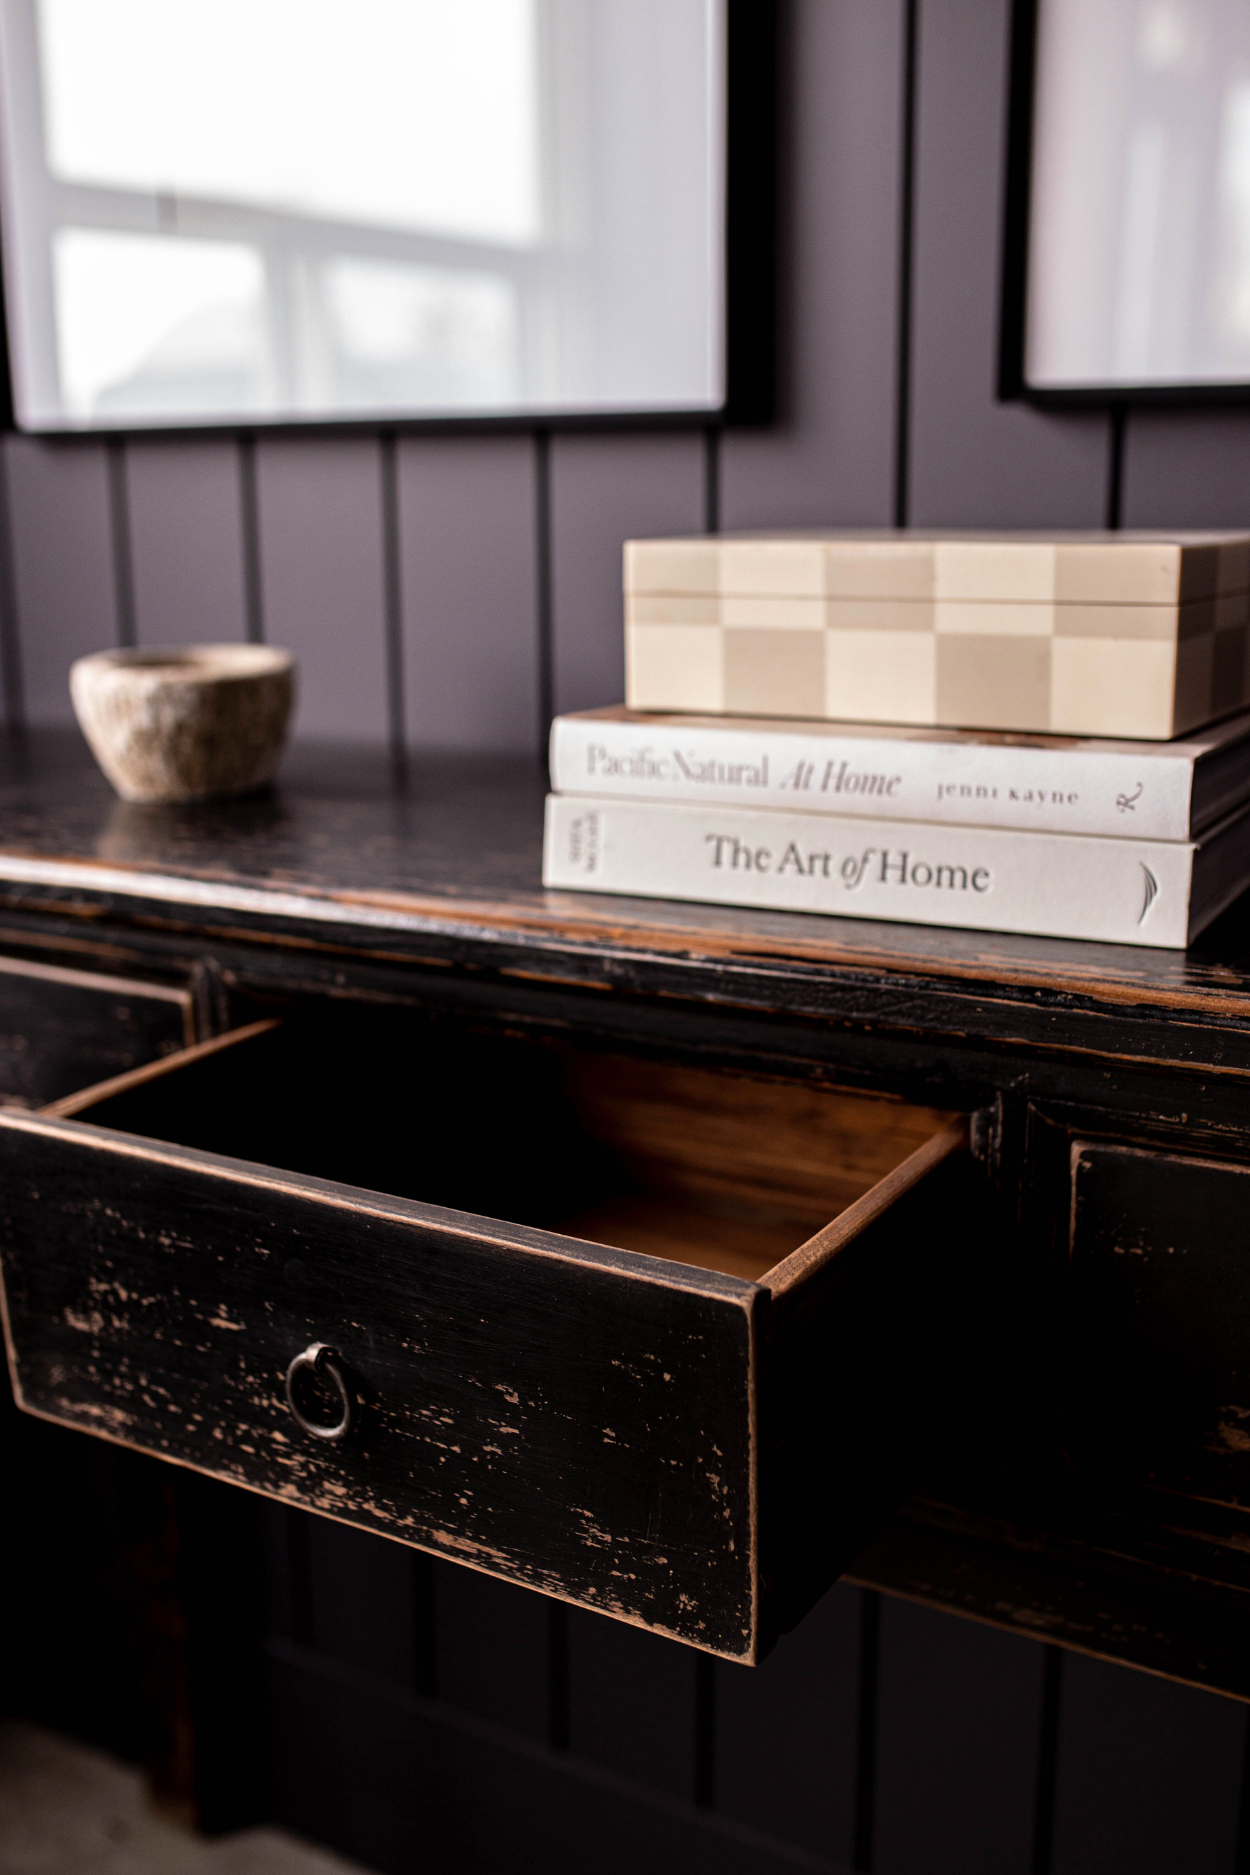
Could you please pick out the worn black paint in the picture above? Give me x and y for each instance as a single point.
(1094, 1041)
(536, 1408)
(61, 1029)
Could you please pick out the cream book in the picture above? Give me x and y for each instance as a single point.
(1147, 791)
(1160, 893)
(1110, 634)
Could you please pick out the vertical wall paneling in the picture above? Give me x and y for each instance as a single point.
(605, 489)
(185, 541)
(906, 234)
(1053, 1659)
(491, 1649)
(786, 1733)
(974, 461)
(10, 624)
(322, 578)
(1149, 1775)
(632, 1699)
(63, 564)
(542, 585)
(1187, 468)
(393, 598)
(362, 1601)
(959, 1708)
(466, 510)
(829, 457)
(864, 1815)
(558, 1675)
(1117, 425)
(249, 523)
(117, 465)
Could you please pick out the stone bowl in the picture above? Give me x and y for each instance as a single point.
(185, 723)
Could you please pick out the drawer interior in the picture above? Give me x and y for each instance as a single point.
(692, 1164)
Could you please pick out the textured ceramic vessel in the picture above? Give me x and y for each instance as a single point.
(187, 723)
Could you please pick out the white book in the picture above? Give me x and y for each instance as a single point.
(1155, 892)
(1051, 784)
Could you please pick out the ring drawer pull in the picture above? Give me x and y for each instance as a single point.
(324, 1362)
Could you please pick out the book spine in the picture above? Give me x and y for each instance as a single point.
(985, 879)
(1136, 796)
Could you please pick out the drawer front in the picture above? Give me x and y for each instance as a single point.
(60, 1029)
(574, 1418)
(1160, 1319)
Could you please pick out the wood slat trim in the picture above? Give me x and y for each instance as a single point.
(95, 980)
(792, 1274)
(87, 1097)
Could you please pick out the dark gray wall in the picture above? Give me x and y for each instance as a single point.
(173, 541)
(880, 1734)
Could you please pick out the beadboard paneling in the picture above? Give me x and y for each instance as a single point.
(320, 512)
(491, 1649)
(469, 585)
(976, 462)
(63, 564)
(632, 1703)
(410, 1790)
(830, 456)
(1149, 1775)
(1187, 468)
(185, 540)
(604, 490)
(958, 1715)
(361, 1600)
(786, 1732)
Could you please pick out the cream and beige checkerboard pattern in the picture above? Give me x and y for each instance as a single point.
(1094, 634)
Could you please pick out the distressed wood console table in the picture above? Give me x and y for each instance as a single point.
(669, 1259)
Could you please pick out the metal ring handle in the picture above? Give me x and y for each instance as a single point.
(323, 1361)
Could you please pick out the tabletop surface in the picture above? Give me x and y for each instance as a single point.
(342, 850)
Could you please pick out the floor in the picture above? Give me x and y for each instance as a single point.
(68, 1810)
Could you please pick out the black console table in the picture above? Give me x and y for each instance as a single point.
(670, 1259)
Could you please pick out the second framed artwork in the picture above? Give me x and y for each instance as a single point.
(1127, 236)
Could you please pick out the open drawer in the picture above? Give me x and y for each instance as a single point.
(592, 1327)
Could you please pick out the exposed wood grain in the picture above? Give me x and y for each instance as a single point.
(88, 1097)
(809, 1262)
(445, 873)
(743, 1141)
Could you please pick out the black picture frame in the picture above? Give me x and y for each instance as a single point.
(1012, 384)
(752, 118)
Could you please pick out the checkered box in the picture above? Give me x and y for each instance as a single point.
(1102, 635)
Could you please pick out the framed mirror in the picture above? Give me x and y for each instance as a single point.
(1127, 243)
(283, 212)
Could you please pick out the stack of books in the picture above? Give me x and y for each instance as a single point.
(1022, 771)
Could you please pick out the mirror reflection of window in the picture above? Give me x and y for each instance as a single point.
(269, 208)
(1139, 262)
